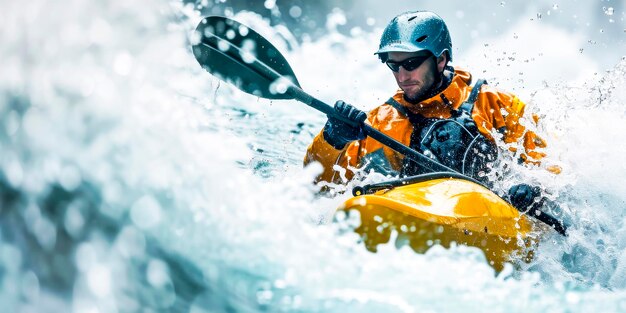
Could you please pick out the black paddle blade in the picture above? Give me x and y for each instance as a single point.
(239, 55)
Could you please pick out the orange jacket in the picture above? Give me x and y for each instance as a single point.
(493, 109)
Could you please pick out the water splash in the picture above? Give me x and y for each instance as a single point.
(125, 185)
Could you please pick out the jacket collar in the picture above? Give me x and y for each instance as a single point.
(440, 104)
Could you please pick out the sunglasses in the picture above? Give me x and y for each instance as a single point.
(408, 64)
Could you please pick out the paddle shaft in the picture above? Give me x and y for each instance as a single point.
(302, 96)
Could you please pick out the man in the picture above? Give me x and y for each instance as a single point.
(440, 111)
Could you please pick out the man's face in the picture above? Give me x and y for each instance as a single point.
(418, 81)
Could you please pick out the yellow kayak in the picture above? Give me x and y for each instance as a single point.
(441, 211)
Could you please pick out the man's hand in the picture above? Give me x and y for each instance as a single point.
(337, 132)
(523, 196)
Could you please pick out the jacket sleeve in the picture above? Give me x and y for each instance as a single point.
(336, 163)
(321, 151)
(504, 112)
(516, 131)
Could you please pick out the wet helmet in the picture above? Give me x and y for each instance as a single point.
(416, 31)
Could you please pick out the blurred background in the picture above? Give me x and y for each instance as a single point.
(131, 180)
(601, 23)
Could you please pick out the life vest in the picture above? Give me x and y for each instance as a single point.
(455, 142)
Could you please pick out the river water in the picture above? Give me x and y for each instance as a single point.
(132, 180)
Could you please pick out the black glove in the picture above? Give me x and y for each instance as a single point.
(522, 196)
(337, 132)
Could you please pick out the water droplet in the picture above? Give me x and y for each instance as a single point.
(335, 18)
(269, 4)
(279, 86)
(130, 242)
(538, 16)
(99, 280)
(581, 50)
(30, 286)
(264, 296)
(146, 212)
(223, 45)
(371, 21)
(243, 30)
(70, 178)
(85, 256)
(45, 232)
(209, 31)
(195, 38)
(123, 63)
(608, 11)
(515, 36)
(355, 31)
(502, 3)
(14, 172)
(295, 11)
(157, 273)
(248, 53)
(280, 284)
(572, 297)
(74, 220)
(230, 34)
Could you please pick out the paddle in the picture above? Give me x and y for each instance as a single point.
(239, 55)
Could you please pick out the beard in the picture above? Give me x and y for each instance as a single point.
(426, 90)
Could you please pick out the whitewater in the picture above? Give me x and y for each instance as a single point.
(133, 180)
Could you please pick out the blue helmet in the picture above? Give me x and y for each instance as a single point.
(416, 31)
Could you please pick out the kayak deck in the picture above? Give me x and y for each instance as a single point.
(443, 211)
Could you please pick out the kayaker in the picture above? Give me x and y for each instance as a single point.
(442, 111)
